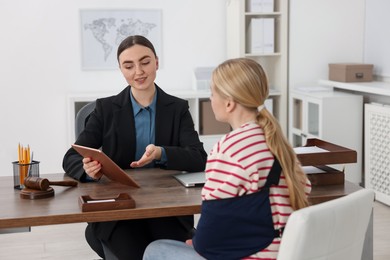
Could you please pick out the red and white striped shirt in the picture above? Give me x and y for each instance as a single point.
(238, 165)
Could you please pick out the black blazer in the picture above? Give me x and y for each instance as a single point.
(111, 126)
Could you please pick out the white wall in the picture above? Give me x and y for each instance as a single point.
(40, 63)
(323, 32)
(377, 39)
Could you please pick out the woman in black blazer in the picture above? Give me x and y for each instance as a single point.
(117, 126)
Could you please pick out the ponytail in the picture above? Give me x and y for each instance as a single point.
(282, 150)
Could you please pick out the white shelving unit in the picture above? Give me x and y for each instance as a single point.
(194, 97)
(275, 63)
(332, 116)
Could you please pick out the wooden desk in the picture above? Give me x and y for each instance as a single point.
(160, 195)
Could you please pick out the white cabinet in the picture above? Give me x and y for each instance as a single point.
(242, 25)
(332, 116)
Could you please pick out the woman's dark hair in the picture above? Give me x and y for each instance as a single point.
(132, 40)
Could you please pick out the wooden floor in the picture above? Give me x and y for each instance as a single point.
(64, 242)
(381, 231)
(54, 242)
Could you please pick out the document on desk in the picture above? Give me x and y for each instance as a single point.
(309, 149)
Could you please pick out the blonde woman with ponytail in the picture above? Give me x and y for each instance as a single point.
(253, 178)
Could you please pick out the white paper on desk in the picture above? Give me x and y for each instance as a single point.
(312, 170)
(309, 149)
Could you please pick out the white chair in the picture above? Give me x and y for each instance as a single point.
(333, 230)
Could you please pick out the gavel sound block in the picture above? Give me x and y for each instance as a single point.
(39, 188)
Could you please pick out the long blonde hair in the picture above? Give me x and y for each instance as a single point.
(245, 81)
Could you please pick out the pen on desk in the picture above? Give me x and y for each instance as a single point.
(20, 160)
(28, 154)
(24, 170)
(29, 164)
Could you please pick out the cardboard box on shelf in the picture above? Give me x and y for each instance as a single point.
(350, 72)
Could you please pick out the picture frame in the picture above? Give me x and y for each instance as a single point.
(103, 30)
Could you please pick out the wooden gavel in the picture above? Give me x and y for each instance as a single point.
(43, 184)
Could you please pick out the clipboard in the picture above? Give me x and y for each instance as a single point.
(109, 167)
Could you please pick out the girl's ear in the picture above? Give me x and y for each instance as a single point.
(230, 105)
(157, 63)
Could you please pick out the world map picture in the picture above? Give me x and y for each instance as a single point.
(103, 30)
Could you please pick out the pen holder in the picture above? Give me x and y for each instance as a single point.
(22, 170)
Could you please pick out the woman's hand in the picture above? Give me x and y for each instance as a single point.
(152, 153)
(92, 168)
(189, 242)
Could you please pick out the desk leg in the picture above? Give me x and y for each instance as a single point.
(368, 246)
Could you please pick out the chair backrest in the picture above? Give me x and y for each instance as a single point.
(82, 116)
(333, 230)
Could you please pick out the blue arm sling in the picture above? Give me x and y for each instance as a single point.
(237, 227)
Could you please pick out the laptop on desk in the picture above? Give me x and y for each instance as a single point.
(191, 179)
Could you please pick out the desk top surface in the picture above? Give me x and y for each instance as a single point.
(160, 195)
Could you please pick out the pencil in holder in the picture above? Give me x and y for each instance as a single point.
(22, 170)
